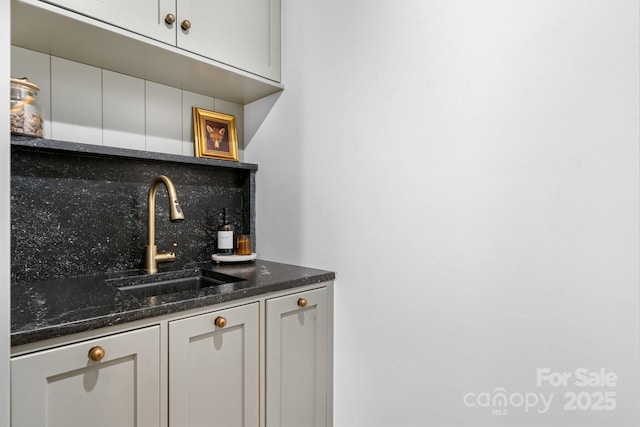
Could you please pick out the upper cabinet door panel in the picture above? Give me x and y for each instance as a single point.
(145, 17)
(241, 33)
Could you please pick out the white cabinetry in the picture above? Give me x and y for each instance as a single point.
(296, 360)
(241, 33)
(230, 50)
(214, 374)
(244, 34)
(144, 17)
(260, 361)
(64, 387)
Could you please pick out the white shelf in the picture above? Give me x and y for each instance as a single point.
(49, 29)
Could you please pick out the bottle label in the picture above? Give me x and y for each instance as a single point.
(225, 239)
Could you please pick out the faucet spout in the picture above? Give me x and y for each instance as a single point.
(152, 257)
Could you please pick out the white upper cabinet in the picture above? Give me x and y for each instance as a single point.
(241, 33)
(144, 17)
(226, 49)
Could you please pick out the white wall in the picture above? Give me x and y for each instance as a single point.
(5, 241)
(470, 169)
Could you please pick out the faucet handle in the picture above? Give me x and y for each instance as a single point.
(154, 257)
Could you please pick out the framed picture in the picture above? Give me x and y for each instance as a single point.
(215, 135)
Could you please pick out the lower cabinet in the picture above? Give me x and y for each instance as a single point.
(201, 368)
(214, 369)
(111, 381)
(296, 360)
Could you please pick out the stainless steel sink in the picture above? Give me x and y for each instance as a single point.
(151, 285)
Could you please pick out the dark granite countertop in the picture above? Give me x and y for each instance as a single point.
(53, 308)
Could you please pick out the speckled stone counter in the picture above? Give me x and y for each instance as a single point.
(79, 228)
(53, 308)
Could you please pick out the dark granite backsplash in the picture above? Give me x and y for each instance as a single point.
(79, 209)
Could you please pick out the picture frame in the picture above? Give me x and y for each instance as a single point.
(215, 135)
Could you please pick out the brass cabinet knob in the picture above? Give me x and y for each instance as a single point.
(170, 18)
(186, 24)
(302, 302)
(96, 353)
(220, 322)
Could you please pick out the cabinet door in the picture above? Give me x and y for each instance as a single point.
(214, 369)
(242, 33)
(296, 360)
(63, 387)
(146, 17)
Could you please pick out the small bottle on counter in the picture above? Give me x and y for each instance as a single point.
(225, 236)
(244, 245)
